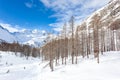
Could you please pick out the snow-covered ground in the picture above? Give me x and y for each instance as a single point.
(86, 69)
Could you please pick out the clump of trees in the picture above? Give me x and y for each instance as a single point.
(85, 40)
(25, 50)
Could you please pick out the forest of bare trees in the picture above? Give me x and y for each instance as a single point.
(85, 40)
(24, 50)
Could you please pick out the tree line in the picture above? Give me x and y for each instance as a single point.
(24, 50)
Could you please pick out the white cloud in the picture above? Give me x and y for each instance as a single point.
(17, 28)
(95, 3)
(30, 4)
(64, 9)
(56, 26)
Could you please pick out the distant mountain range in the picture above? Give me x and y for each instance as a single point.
(30, 37)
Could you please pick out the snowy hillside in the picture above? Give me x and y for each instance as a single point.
(30, 37)
(107, 15)
(15, 68)
(6, 35)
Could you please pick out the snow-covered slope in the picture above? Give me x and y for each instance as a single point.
(6, 35)
(31, 37)
(15, 68)
(107, 15)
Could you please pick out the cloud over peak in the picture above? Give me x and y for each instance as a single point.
(64, 9)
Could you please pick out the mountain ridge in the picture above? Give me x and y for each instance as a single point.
(29, 37)
(107, 14)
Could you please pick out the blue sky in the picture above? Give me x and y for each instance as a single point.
(45, 14)
(16, 12)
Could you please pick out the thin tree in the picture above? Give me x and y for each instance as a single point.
(72, 27)
(96, 20)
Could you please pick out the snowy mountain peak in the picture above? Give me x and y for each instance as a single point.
(31, 37)
(6, 35)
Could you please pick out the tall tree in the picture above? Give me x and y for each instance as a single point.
(96, 21)
(72, 27)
